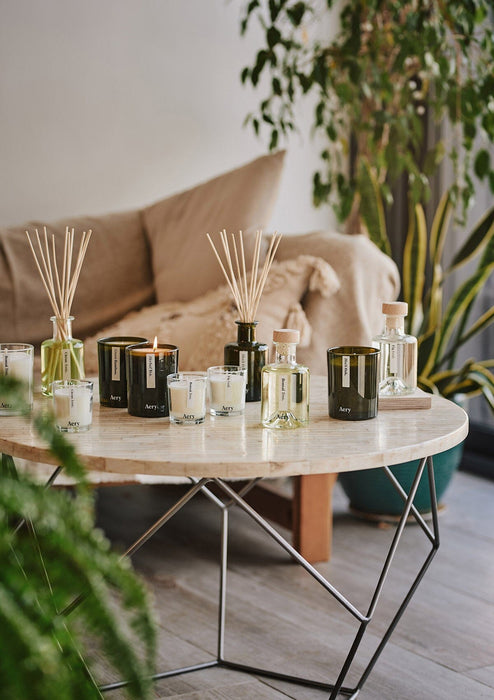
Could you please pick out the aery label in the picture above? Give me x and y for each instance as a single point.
(395, 358)
(66, 373)
(6, 364)
(190, 393)
(243, 359)
(361, 375)
(345, 371)
(115, 364)
(150, 372)
(283, 397)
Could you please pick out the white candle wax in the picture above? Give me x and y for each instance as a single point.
(227, 393)
(19, 365)
(73, 407)
(187, 400)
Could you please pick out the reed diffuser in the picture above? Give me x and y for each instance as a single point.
(246, 352)
(62, 356)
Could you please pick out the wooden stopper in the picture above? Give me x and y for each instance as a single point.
(286, 335)
(395, 308)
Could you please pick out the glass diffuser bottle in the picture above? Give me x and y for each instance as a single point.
(62, 356)
(249, 355)
(398, 363)
(246, 352)
(285, 385)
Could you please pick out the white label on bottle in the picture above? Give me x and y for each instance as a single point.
(345, 371)
(190, 393)
(150, 372)
(115, 364)
(243, 359)
(71, 401)
(6, 363)
(283, 388)
(395, 358)
(228, 388)
(66, 374)
(361, 375)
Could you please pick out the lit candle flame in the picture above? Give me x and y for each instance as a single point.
(155, 344)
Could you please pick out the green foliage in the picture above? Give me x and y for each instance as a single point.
(56, 555)
(371, 84)
(441, 334)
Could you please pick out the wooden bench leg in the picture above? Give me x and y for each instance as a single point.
(312, 522)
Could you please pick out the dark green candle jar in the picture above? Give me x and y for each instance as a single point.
(353, 382)
(148, 366)
(249, 355)
(112, 371)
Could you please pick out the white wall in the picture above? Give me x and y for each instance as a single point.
(110, 104)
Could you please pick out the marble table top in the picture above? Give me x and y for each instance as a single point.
(239, 447)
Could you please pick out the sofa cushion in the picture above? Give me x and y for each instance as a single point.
(201, 328)
(242, 199)
(116, 276)
(367, 277)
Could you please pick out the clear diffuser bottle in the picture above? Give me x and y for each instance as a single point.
(285, 385)
(62, 357)
(398, 363)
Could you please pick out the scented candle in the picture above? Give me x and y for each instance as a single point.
(227, 387)
(148, 366)
(112, 369)
(16, 360)
(73, 405)
(187, 397)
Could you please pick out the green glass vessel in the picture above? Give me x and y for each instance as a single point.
(353, 373)
(62, 356)
(248, 354)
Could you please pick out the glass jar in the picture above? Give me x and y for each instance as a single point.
(62, 357)
(249, 355)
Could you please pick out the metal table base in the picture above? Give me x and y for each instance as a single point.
(229, 498)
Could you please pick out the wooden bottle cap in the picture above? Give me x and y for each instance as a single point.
(395, 308)
(286, 335)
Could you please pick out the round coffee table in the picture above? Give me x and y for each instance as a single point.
(225, 449)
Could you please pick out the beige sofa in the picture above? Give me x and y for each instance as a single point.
(151, 272)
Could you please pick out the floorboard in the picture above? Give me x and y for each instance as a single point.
(279, 617)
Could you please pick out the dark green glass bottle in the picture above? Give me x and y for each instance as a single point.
(248, 354)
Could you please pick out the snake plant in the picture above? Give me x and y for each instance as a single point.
(441, 328)
(56, 557)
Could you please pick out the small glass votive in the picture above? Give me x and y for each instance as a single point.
(353, 382)
(73, 404)
(112, 369)
(16, 360)
(187, 397)
(226, 388)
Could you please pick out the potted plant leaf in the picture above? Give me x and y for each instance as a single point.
(52, 555)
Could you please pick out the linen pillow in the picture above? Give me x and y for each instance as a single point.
(116, 276)
(242, 199)
(201, 328)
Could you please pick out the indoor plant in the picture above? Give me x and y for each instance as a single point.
(45, 651)
(392, 70)
(372, 84)
(440, 335)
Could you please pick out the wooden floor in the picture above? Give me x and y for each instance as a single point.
(279, 617)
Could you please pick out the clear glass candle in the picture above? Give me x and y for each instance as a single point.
(16, 360)
(187, 397)
(73, 405)
(226, 388)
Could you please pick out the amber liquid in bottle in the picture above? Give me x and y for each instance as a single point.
(285, 386)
